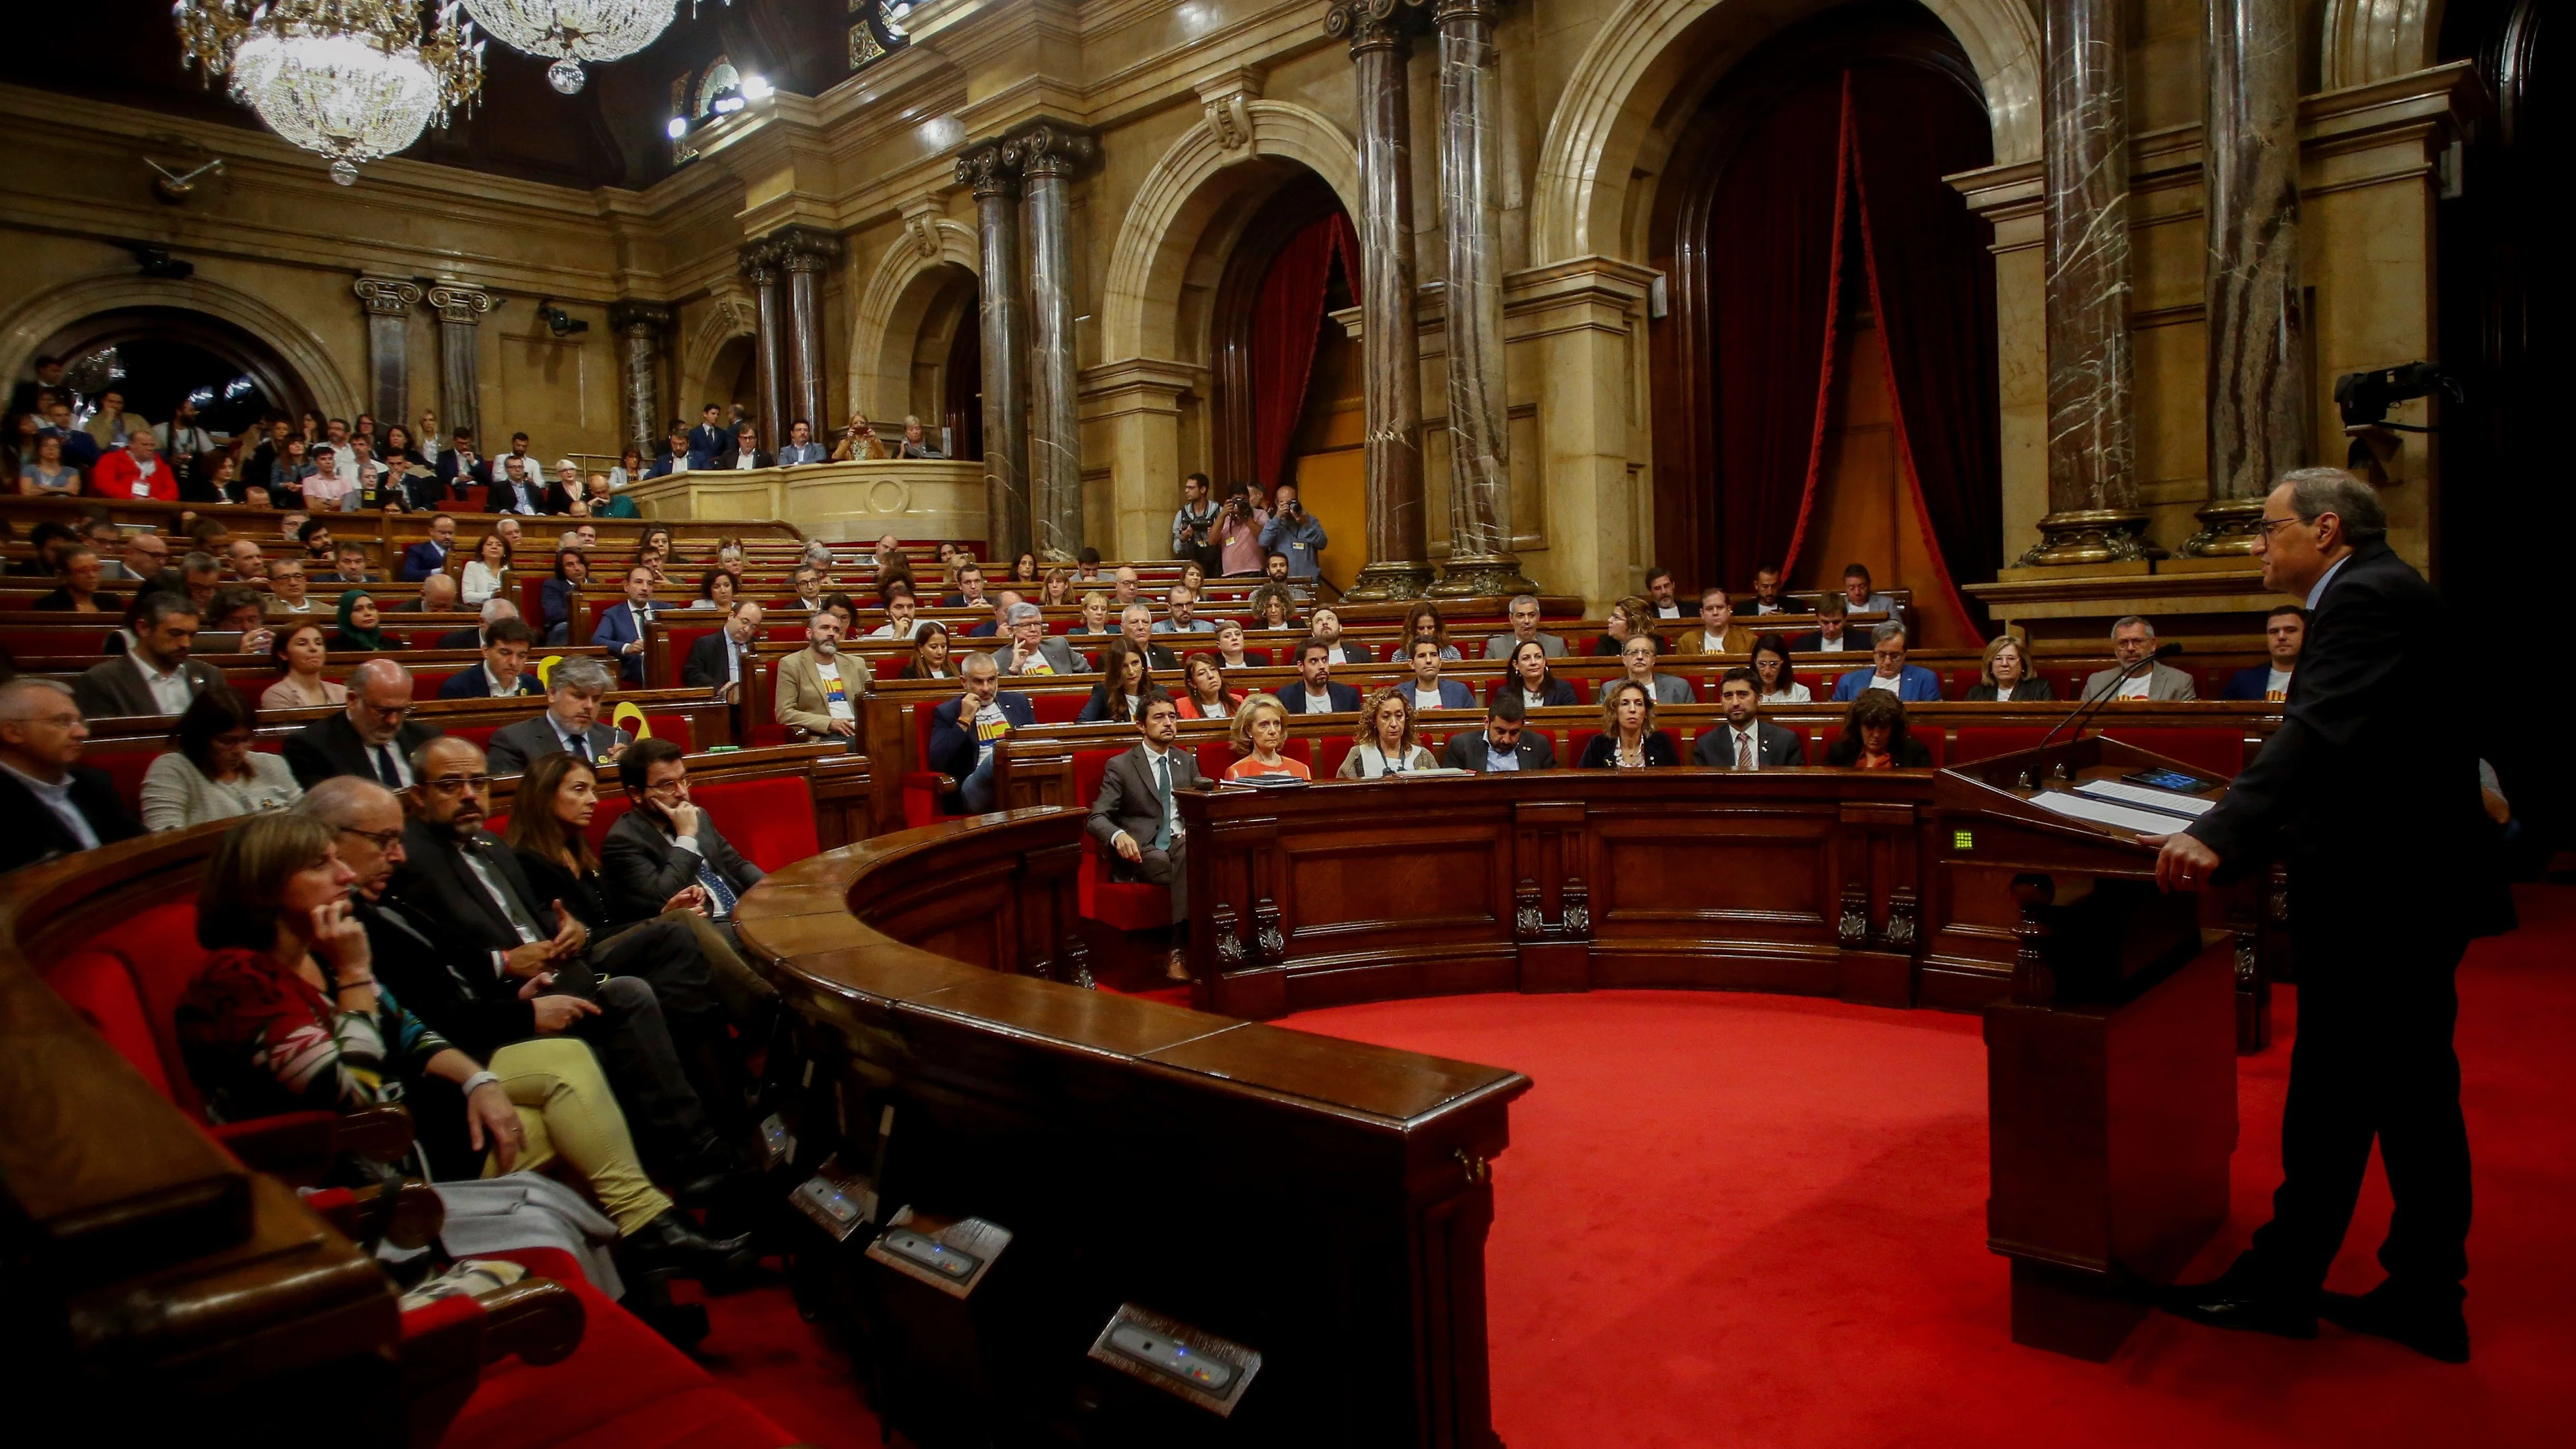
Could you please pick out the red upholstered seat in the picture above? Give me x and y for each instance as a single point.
(479, 735)
(1961, 681)
(1984, 742)
(2069, 683)
(1058, 707)
(1328, 754)
(1216, 757)
(126, 762)
(770, 821)
(100, 987)
(1125, 905)
(888, 667)
(1933, 742)
(2215, 752)
(426, 681)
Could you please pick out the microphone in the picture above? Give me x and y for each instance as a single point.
(2163, 652)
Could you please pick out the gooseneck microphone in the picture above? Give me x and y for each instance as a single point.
(2163, 652)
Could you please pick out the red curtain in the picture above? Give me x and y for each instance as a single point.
(1286, 320)
(1932, 286)
(1776, 232)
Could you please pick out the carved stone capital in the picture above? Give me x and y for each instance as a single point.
(921, 226)
(1373, 24)
(1447, 13)
(458, 303)
(806, 248)
(758, 263)
(639, 319)
(1227, 100)
(387, 296)
(989, 170)
(1050, 150)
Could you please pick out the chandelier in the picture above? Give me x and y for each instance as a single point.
(352, 80)
(573, 31)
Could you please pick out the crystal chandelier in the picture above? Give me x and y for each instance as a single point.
(352, 80)
(573, 31)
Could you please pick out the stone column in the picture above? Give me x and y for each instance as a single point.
(1480, 473)
(1399, 548)
(2093, 514)
(988, 170)
(2249, 175)
(1047, 155)
(389, 301)
(460, 323)
(806, 253)
(760, 267)
(640, 328)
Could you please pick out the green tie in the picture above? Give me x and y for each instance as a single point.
(1163, 789)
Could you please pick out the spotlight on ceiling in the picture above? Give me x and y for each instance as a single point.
(678, 129)
(756, 88)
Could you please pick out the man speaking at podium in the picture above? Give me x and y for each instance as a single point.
(2392, 871)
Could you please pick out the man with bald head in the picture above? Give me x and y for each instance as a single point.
(437, 596)
(373, 738)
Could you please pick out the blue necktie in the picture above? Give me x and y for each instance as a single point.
(1163, 789)
(720, 896)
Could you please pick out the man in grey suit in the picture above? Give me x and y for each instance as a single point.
(570, 724)
(2132, 640)
(1035, 651)
(1638, 654)
(1502, 746)
(156, 676)
(667, 847)
(1523, 612)
(1746, 741)
(1136, 818)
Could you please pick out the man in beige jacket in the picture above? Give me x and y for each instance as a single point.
(819, 687)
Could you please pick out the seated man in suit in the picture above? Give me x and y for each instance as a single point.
(1137, 817)
(1182, 602)
(374, 737)
(746, 452)
(155, 676)
(1326, 624)
(494, 610)
(504, 669)
(676, 456)
(2285, 633)
(1035, 651)
(517, 490)
(430, 556)
(717, 661)
(1861, 597)
(709, 439)
(1911, 683)
(970, 590)
(1746, 741)
(1503, 745)
(437, 596)
(998, 625)
(1316, 693)
(1767, 597)
(665, 844)
(621, 626)
(570, 724)
(819, 687)
(459, 469)
(801, 447)
(1523, 612)
(54, 807)
(965, 731)
(1832, 634)
(1136, 621)
(1428, 690)
(2133, 643)
(1637, 658)
(1718, 633)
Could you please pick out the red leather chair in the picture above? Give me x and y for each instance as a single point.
(1125, 905)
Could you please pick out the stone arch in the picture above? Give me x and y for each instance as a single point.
(885, 328)
(730, 314)
(1652, 53)
(2374, 40)
(1181, 196)
(26, 326)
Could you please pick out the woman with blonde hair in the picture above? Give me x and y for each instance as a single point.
(1096, 617)
(1385, 740)
(1058, 591)
(1628, 738)
(1630, 618)
(2005, 674)
(1260, 728)
(858, 442)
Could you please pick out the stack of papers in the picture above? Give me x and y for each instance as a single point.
(2121, 792)
(2104, 812)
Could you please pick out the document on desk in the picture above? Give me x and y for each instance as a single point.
(2121, 792)
(2103, 812)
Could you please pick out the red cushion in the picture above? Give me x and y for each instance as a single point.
(1216, 757)
(98, 986)
(770, 821)
(1328, 754)
(888, 666)
(1984, 742)
(1058, 707)
(1963, 680)
(159, 949)
(425, 682)
(668, 724)
(478, 735)
(126, 762)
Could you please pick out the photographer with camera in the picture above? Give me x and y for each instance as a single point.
(1239, 522)
(1294, 534)
(1194, 526)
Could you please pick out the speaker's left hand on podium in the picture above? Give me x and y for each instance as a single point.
(2182, 862)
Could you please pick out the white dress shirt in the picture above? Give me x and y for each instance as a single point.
(58, 798)
(1744, 747)
(170, 692)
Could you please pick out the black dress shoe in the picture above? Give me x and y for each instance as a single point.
(2246, 1302)
(670, 1243)
(2430, 1326)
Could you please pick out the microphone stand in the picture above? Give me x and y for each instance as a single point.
(2095, 700)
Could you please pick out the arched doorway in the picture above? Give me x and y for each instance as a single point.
(156, 356)
(1825, 384)
(733, 378)
(946, 386)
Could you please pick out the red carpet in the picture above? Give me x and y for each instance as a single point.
(1792, 1194)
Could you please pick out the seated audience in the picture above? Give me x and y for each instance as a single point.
(719, 660)
(302, 654)
(2285, 633)
(2006, 676)
(1137, 814)
(746, 451)
(556, 595)
(1523, 612)
(1124, 683)
(1718, 633)
(288, 588)
(1096, 617)
(1663, 596)
(915, 444)
(487, 573)
(1260, 728)
(1768, 595)
(716, 590)
(437, 596)
(1889, 673)
(1832, 634)
(570, 724)
(1384, 741)
(1204, 695)
(2133, 643)
(1505, 745)
(600, 498)
(620, 629)
(1747, 741)
(50, 540)
(80, 593)
(1428, 690)
(1874, 736)
(807, 582)
(504, 670)
(243, 560)
(429, 556)
(54, 806)
(235, 609)
(1637, 657)
(1630, 618)
(1272, 607)
(1423, 621)
(1057, 590)
(1532, 679)
(494, 610)
(929, 652)
(1860, 597)
(1628, 738)
(373, 737)
(155, 676)
(136, 470)
(1771, 667)
(819, 687)
(965, 731)
(999, 605)
(1033, 650)
(360, 624)
(48, 474)
(858, 442)
(902, 619)
(211, 771)
(1327, 626)
(1315, 693)
(1181, 618)
(1230, 653)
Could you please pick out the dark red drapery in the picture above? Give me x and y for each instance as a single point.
(1286, 319)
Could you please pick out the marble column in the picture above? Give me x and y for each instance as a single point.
(2257, 373)
(388, 301)
(1480, 473)
(806, 253)
(1399, 548)
(988, 172)
(2093, 514)
(640, 328)
(460, 324)
(1047, 156)
(760, 267)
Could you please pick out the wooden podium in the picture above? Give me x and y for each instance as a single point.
(2111, 1068)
